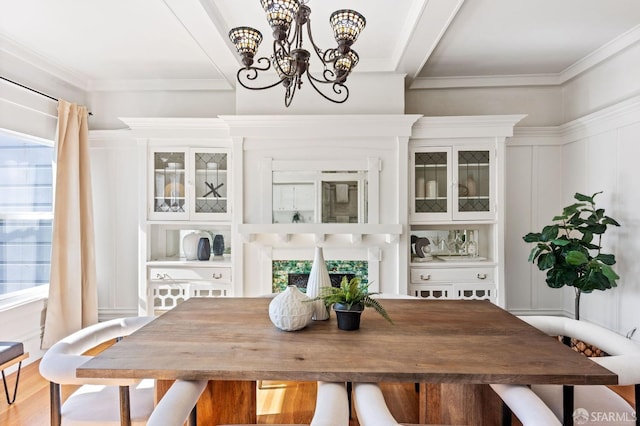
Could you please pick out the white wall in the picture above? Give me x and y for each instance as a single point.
(604, 85)
(114, 171)
(605, 161)
(533, 194)
(543, 105)
(369, 93)
(107, 107)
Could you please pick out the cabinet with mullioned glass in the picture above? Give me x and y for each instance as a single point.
(189, 184)
(452, 183)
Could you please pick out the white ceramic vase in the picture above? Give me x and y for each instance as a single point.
(291, 309)
(190, 244)
(318, 279)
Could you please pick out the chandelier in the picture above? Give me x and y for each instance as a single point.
(290, 59)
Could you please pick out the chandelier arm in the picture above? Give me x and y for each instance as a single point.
(316, 49)
(338, 88)
(290, 92)
(328, 77)
(329, 56)
(252, 74)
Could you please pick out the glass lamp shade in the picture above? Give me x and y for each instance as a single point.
(246, 40)
(345, 63)
(283, 64)
(347, 25)
(280, 13)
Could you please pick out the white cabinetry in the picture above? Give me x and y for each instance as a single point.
(456, 211)
(188, 183)
(186, 167)
(453, 182)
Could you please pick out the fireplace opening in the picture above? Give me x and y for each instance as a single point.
(301, 280)
(296, 272)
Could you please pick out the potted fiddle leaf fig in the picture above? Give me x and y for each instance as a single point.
(349, 300)
(570, 249)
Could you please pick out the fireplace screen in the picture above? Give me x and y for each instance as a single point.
(296, 272)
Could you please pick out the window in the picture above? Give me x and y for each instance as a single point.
(26, 211)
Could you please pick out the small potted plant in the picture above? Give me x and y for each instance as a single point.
(349, 300)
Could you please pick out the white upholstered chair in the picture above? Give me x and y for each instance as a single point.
(526, 405)
(623, 359)
(96, 401)
(370, 406)
(178, 404)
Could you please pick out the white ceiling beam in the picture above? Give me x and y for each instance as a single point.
(433, 17)
(202, 20)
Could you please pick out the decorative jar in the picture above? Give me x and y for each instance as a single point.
(290, 310)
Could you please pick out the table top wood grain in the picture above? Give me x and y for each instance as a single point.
(444, 341)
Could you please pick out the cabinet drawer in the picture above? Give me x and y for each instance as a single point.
(216, 274)
(428, 275)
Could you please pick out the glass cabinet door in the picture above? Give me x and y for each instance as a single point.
(211, 183)
(431, 183)
(475, 182)
(169, 185)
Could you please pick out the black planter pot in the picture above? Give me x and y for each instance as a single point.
(348, 318)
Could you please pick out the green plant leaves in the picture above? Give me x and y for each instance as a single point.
(351, 292)
(570, 248)
(576, 258)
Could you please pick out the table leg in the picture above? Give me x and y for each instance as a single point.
(567, 405)
(125, 406)
(429, 403)
(228, 402)
(458, 403)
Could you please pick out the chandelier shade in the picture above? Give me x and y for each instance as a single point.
(347, 25)
(246, 40)
(290, 59)
(344, 64)
(280, 14)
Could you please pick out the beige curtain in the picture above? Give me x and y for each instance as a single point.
(73, 297)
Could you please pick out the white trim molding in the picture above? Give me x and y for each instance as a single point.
(619, 115)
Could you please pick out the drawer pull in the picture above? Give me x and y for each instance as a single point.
(217, 276)
(425, 277)
(482, 276)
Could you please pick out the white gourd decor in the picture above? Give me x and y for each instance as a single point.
(290, 310)
(318, 279)
(190, 244)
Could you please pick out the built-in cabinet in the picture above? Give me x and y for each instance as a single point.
(187, 196)
(450, 195)
(456, 212)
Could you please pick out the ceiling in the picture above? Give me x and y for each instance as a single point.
(182, 44)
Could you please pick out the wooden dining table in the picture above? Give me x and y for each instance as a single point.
(447, 346)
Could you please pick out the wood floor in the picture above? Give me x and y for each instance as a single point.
(278, 402)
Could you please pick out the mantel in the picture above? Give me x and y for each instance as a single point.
(320, 230)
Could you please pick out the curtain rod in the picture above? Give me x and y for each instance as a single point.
(34, 91)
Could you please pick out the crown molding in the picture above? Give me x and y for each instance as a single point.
(613, 117)
(601, 54)
(321, 126)
(158, 85)
(486, 81)
(466, 126)
(582, 65)
(43, 63)
(608, 119)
